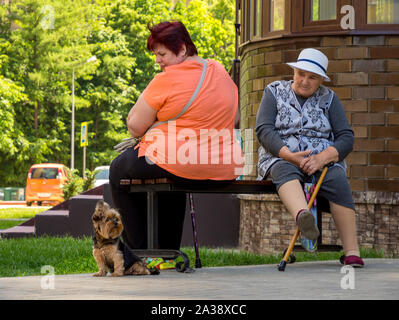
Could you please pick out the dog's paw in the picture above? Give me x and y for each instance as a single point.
(138, 268)
(100, 274)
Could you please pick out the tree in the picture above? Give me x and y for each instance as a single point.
(51, 37)
(47, 41)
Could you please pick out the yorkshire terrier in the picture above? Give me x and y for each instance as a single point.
(110, 253)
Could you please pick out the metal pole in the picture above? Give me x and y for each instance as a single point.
(73, 122)
(84, 162)
(93, 58)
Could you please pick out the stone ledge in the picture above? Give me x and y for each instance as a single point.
(361, 197)
(267, 227)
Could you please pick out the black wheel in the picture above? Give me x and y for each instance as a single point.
(342, 259)
(180, 267)
(291, 258)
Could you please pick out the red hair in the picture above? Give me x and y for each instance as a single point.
(172, 35)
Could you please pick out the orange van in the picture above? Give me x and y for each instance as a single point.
(45, 182)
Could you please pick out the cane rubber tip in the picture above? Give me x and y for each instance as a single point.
(198, 264)
(281, 266)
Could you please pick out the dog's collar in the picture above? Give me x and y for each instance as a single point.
(100, 242)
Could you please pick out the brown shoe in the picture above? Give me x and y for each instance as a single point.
(307, 225)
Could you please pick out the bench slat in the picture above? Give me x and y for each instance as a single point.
(137, 181)
(200, 186)
(200, 182)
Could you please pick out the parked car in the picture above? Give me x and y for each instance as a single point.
(102, 175)
(45, 182)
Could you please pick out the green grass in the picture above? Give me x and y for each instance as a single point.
(20, 213)
(6, 224)
(67, 255)
(232, 257)
(26, 256)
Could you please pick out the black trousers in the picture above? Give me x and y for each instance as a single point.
(133, 206)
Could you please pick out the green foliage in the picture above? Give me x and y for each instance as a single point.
(74, 184)
(88, 183)
(42, 41)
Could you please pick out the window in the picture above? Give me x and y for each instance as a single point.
(277, 15)
(318, 15)
(245, 25)
(44, 173)
(256, 17)
(382, 11)
(323, 10)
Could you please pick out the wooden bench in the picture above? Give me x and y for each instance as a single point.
(153, 186)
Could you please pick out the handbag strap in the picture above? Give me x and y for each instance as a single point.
(188, 104)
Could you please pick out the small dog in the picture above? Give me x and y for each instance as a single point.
(110, 253)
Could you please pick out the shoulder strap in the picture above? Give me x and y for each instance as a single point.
(199, 85)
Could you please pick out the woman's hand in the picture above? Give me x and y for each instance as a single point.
(311, 164)
(316, 162)
(295, 158)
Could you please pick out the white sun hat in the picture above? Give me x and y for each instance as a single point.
(312, 60)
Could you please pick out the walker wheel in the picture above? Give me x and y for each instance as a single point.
(342, 259)
(180, 267)
(291, 258)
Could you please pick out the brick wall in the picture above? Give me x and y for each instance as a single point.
(365, 75)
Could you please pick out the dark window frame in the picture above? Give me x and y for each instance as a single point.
(253, 26)
(301, 21)
(361, 19)
(267, 19)
(298, 21)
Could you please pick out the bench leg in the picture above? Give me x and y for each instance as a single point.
(198, 263)
(152, 237)
(152, 220)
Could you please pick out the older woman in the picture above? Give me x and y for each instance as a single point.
(198, 145)
(302, 127)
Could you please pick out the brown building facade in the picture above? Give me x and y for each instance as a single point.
(361, 41)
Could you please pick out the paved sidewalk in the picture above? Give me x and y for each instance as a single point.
(307, 280)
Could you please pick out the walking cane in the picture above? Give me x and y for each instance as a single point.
(283, 263)
(198, 263)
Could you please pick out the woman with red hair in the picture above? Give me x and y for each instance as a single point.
(197, 143)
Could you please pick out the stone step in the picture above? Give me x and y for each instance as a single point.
(18, 232)
(81, 209)
(53, 223)
(71, 217)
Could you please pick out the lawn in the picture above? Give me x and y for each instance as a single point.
(10, 217)
(67, 255)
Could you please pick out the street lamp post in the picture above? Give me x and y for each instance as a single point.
(93, 58)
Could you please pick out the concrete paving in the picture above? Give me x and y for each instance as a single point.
(323, 280)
